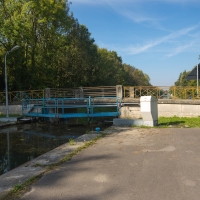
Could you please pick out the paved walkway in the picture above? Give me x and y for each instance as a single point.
(131, 164)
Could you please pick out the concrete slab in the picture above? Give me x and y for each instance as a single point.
(131, 164)
(8, 119)
(127, 122)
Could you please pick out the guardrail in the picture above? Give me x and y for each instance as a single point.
(162, 92)
(159, 92)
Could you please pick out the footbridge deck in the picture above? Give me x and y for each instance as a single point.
(71, 107)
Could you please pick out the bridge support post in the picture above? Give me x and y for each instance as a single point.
(119, 92)
(47, 93)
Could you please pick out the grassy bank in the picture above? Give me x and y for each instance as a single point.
(178, 122)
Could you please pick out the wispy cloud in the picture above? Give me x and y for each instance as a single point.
(139, 49)
(180, 49)
(131, 1)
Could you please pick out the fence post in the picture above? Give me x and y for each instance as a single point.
(79, 93)
(131, 92)
(47, 93)
(119, 91)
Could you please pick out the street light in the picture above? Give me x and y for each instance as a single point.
(6, 85)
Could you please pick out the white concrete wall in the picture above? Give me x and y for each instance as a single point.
(180, 110)
(164, 110)
(13, 109)
(130, 112)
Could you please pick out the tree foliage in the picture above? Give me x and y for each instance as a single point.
(55, 50)
(135, 76)
(182, 81)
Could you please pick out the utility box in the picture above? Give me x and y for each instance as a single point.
(149, 110)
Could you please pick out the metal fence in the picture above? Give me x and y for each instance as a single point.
(103, 91)
(159, 92)
(162, 92)
(17, 96)
(81, 92)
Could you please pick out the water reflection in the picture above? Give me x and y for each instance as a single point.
(22, 143)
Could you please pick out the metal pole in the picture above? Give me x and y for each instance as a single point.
(6, 88)
(197, 81)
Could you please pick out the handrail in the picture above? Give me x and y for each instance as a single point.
(64, 107)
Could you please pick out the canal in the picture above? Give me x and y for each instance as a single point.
(24, 142)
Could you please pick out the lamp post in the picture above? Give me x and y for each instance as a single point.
(6, 84)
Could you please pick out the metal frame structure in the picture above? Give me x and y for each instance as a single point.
(65, 108)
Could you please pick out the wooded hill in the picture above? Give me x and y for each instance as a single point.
(55, 50)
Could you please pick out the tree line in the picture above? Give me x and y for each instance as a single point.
(56, 51)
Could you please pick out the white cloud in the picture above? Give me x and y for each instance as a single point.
(180, 49)
(176, 34)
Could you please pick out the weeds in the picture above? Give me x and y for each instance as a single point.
(71, 142)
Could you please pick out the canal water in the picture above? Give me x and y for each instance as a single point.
(24, 142)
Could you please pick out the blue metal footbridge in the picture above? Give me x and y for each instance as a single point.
(66, 108)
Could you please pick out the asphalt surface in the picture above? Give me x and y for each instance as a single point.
(130, 164)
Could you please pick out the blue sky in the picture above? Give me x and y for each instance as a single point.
(160, 37)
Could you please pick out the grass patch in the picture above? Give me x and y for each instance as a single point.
(20, 189)
(10, 115)
(71, 142)
(178, 122)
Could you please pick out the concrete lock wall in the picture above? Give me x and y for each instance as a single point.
(164, 110)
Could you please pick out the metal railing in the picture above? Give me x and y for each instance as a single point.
(17, 96)
(162, 92)
(71, 107)
(82, 92)
(103, 91)
(159, 92)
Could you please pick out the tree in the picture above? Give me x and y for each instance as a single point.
(182, 81)
(135, 76)
(56, 51)
(110, 70)
(81, 60)
(37, 26)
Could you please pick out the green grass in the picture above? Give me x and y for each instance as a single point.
(10, 115)
(71, 142)
(178, 122)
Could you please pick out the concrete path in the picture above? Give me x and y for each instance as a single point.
(133, 164)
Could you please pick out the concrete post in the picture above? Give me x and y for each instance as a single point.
(131, 92)
(119, 92)
(149, 110)
(79, 93)
(47, 93)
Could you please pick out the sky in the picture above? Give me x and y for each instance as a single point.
(159, 37)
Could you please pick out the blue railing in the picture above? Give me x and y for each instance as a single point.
(72, 107)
